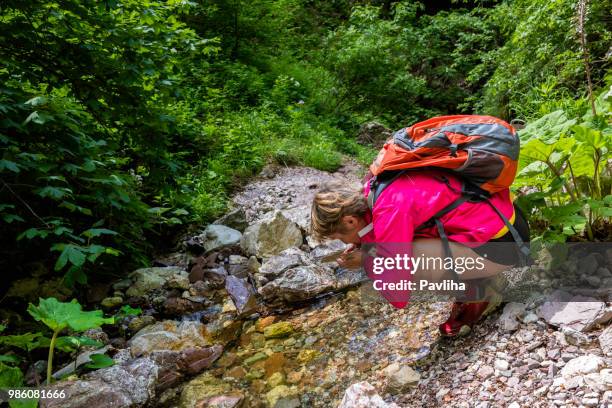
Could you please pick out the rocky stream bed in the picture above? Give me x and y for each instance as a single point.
(251, 312)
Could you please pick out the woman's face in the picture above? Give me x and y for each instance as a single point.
(348, 233)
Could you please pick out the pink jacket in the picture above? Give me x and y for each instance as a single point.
(414, 198)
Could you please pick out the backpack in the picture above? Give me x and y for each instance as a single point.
(483, 150)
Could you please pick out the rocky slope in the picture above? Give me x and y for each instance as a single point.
(251, 312)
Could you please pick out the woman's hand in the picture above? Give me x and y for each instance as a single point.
(350, 258)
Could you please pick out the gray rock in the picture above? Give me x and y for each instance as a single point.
(235, 219)
(605, 341)
(299, 283)
(120, 386)
(168, 335)
(363, 395)
(574, 336)
(577, 312)
(242, 294)
(508, 321)
(329, 251)
(219, 236)
(148, 279)
(271, 235)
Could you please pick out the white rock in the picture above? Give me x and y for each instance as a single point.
(582, 365)
(501, 365)
(400, 377)
(605, 341)
(363, 395)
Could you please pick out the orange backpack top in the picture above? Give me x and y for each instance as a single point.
(482, 149)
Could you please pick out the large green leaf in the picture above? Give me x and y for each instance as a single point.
(548, 128)
(61, 315)
(26, 341)
(99, 361)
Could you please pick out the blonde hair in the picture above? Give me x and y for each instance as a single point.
(332, 202)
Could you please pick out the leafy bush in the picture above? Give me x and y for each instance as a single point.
(565, 171)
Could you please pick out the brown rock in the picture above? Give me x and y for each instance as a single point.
(237, 372)
(195, 360)
(274, 363)
(264, 322)
(176, 306)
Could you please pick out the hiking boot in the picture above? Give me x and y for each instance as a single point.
(463, 316)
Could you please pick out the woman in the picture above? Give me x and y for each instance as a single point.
(393, 224)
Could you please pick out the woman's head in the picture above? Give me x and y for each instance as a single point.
(338, 212)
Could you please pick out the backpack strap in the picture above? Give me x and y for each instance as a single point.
(378, 184)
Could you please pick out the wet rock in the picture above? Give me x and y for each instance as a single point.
(329, 251)
(400, 377)
(276, 379)
(605, 341)
(582, 365)
(140, 322)
(577, 312)
(294, 276)
(278, 330)
(222, 401)
(253, 264)
(201, 389)
(111, 302)
(178, 306)
(149, 279)
(168, 335)
(123, 284)
(175, 365)
(271, 235)
(213, 277)
(120, 386)
(508, 321)
(373, 133)
(255, 358)
(178, 281)
(264, 322)
(363, 395)
(298, 284)
(235, 219)
(242, 294)
(276, 395)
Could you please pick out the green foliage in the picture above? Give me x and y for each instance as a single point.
(99, 361)
(121, 122)
(563, 165)
(539, 69)
(62, 315)
(59, 316)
